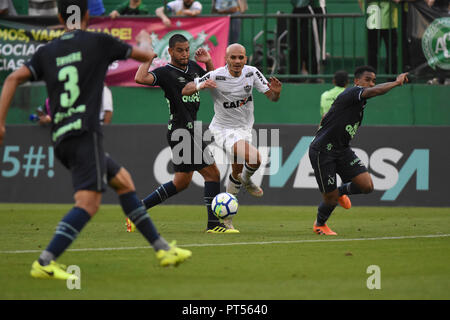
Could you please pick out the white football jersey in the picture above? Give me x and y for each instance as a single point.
(233, 99)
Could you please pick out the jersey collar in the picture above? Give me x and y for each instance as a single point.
(181, 70)
(229, 73)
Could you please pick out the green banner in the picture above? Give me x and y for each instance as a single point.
(19, 41)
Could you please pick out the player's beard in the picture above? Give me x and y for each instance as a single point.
(182, 63)
(235, 70)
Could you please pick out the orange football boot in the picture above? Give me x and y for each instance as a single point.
(345, 202)
(323, 230)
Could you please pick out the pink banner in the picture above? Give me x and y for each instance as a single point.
(209, 33)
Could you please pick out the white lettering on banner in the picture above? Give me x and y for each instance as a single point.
(11, 64)
(19, 49)
(160, 166)
(12, 55)
(164, 158)
(264, 168)
(387, 174)
(382, 163)
(304, 177)
(220, 160)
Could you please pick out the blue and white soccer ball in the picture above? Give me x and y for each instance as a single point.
(224, 205)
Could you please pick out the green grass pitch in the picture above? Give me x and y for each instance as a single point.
(276, 255)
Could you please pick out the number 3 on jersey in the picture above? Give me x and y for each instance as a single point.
(69, 75)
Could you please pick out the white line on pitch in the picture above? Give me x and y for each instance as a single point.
(245, 243)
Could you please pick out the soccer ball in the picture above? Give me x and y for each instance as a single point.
(224, 205)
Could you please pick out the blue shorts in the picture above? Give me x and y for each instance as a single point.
(327, 164)
(90, 166)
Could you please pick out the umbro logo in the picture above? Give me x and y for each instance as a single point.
(181, 79)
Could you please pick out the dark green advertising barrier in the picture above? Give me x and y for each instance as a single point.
(412, 104)
(409, 165)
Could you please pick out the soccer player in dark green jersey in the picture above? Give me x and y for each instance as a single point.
(330, 152)
(73, 68)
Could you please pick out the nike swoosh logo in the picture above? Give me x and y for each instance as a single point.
(49, 273)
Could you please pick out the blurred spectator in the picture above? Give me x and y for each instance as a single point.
(96, 8)
(179, 8)
(310, 57)
(233, 7)
(7, 8)
(42, 8)
(340, 80)
(130, 7)
(382, 24)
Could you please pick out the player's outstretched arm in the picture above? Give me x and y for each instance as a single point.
(9, 88)
(382, 88)
(141, 55)
(191, 88)
(275, 89)
(142, 76)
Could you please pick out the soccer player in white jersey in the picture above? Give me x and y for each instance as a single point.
(231, 87)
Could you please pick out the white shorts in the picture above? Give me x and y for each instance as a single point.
(226, 138)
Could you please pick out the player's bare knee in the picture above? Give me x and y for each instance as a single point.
(180, 185)
(122, 183)
(254, 160)
(91, 206)
(368, 188)
(212, 174)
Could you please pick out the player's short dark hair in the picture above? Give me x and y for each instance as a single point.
(175, 39)
(360, 70)
(341, 78)
(64, 4)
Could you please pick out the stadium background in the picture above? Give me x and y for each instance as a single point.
(416, 105)
(276, 256)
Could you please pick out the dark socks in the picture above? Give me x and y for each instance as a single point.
(136, 212)
(349, 188)
(212, 188)
(162, 193)
(323, 213)
(66, 232)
